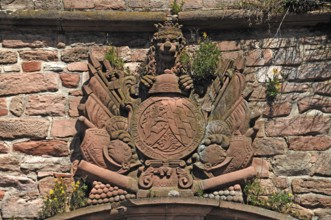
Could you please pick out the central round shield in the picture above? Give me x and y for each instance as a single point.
(167, 127)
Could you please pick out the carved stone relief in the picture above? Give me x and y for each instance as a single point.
(166, 136)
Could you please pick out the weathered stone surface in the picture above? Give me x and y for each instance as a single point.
(294, 87)
(99, 52)
(63, 128)
(292, 164)
(70, 80)
(280, 182)
(77, 67)
(229, 45)
(3, 107)
(231, 55)
(17, 105)
(12, 84)
(314, 201)
(21, 43)
(277, 109)
(312, 185)
(323, 214)
(43, 164)
(74, 54)
(21, 205)
(31, 66)
(269, 146)
(267, 186)
(45, 185)
(18, 182)
(310, 143)
(2, 194)
(4, 149)
(311, 72)
(261, 166)
(192, 4)
(300, 125)
(76, 93)
(73, 106)
(259, 93)
(323, 165)
(138, 55)
(318, 54)
(137, 4)
(321, 103)
(7, 57)
(49, 5)
(16, 5)
(78, 4)
(109, 4)
(54, 66)
(46, 105)
(45, 55)
(259, 57)
(55, 148)
(24, 127)
(287, 56)
(155, 4)
(12, 68)
(9, 163)
(322, 88)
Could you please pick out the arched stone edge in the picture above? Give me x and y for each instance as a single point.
(122, 21)
(207, 208)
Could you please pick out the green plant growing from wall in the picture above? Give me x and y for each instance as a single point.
(176, 7)
(279, 201)
(113, 57)
(205, 60)
(273, 85)
(64, 197)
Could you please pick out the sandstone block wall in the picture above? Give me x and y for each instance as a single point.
(122, 5)
(42, 72)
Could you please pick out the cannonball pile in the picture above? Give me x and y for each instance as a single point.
(105, 193)
(231, 194)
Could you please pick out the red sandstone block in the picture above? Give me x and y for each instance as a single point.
(63, 128)
(55, 148)
(53, 105)
(31, 66)
(109, 4)
(44, 55)
(278, 109)
(70, 80)
(7, 57)
(78, 4)
(299, 125)
(229, 45)
(73, 106)
(310, 143)
(77, 67)
(20, 44)
(3, 107)
(12, 84)
(23, 127)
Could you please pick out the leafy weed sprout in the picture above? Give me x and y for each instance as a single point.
(273, 85)
(206, 60)
(176, 7)
(114, 59)
(64, 197)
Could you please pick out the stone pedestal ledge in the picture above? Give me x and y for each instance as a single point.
(173, 208)
(123, 21)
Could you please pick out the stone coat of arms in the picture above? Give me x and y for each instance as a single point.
(157, 133)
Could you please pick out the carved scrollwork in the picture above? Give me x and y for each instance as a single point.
(146, 179)
(185, 180)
